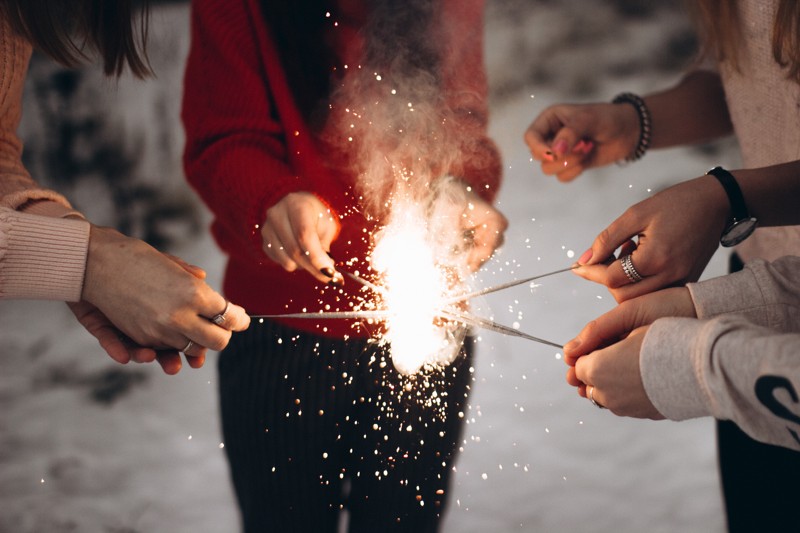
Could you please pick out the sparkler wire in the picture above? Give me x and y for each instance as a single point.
(457, 316)
(502, 286)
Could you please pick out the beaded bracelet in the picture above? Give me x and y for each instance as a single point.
(645, 122)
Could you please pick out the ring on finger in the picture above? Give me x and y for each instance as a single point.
(188, 346)
(591, 399)
(628, 268)
(219, 319)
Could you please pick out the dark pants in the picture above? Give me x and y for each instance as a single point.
(314, 425)
(760, 483)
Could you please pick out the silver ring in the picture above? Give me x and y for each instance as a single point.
(188, 346)
(630, 271)
(220, 318)
(591, 399)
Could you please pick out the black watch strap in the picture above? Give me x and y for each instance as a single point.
(738, 207)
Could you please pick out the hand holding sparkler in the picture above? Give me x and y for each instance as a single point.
(143, 305)
(298, 232)
(671, 249)
(604, 357)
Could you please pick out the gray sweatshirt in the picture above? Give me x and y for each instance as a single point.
(739, 360)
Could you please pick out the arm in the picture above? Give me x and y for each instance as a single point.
(478, 164)
(727, 368)
(236, 107)
(648, 366)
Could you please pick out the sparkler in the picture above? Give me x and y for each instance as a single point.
(446, 311)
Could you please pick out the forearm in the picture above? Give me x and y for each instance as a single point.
(727, 368)
(772, 194)
(767, 294)
(693, 111)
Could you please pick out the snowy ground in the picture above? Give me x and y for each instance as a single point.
(92, 447)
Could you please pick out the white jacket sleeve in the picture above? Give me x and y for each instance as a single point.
(743, 364)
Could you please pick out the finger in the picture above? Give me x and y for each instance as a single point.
(569, 172)
(605, 330)
(611, 274)
(197, 361)
(114, 343)
(228, 316)
(170, 361)
(487, 238)
(288, 231)
(540, 133)
(142, 354)
(623, 229)
(572, 379)
(274, 249)
(646, 286)
(315, 259)
(194, 270)
(205, 334)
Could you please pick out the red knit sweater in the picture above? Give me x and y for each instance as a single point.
(248, 146)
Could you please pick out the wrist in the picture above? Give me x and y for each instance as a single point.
(739, 224)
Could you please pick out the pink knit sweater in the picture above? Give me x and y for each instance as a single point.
(42, 253)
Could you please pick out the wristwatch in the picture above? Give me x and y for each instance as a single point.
(743, 224)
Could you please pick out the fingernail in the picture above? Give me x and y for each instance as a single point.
(583, 259)
(583, 147)
(328, 271)
(548, 156)
(337, 280)
(560, 147)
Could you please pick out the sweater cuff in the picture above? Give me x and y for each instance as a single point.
(735, 293)
(42, 258)
(668, 370)
(49, 208)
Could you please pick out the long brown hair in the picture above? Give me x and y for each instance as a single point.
(65, 30)
(721, 29)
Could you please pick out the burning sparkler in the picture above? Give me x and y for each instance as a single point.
(421, 300)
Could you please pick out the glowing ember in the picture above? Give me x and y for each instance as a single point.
(415, 288)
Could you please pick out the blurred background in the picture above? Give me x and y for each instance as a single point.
(90, 446)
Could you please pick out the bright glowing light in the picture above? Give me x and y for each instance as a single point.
(415, 286)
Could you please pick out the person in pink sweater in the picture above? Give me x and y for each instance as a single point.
(749, 85)
(141, 304)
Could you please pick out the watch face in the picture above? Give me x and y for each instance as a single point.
(738, 231)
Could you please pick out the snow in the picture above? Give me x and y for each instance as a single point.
(90, 446)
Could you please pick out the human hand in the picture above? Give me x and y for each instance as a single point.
(122, 349)
(487, 227)
(677, 230)
(613, 379)
(569, 139)
(605, 354)
(298, 232)
(158, 302)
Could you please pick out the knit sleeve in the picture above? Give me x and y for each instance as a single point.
(727, 368)
(466, 95)
(42, 257)
(236, 152)
(767, 294)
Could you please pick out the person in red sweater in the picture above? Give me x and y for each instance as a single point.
(311, 417)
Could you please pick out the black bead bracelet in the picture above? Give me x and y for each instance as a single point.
(645, 123)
